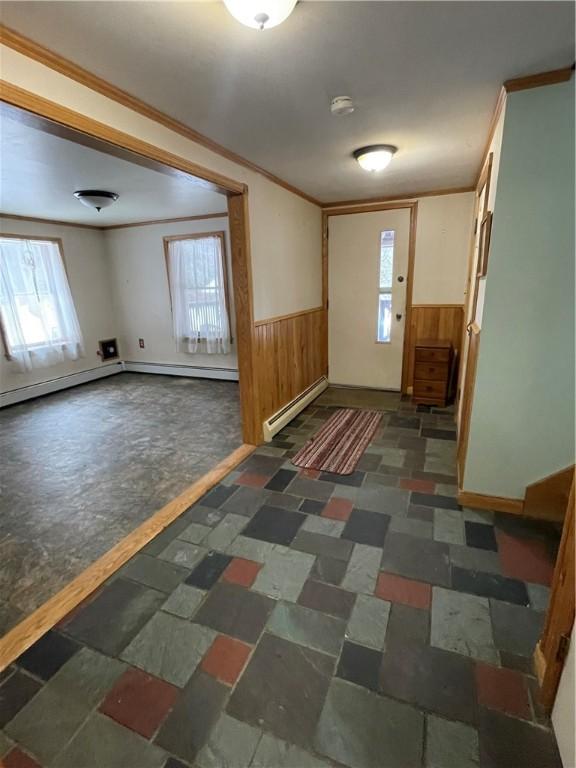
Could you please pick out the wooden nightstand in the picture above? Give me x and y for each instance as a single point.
(433, 360)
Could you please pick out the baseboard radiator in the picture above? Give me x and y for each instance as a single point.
(53, 385)
(192, 371)
(288, 412)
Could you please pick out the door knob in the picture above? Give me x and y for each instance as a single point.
(398, 316)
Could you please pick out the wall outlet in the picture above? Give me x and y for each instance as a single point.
(141, 343)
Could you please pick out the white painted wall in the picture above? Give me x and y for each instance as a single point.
(443, 233)
(355, 358)
(564, 710)
(87, 269)
(285, 229)
(141, 293)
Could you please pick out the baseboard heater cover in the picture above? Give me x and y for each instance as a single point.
(285, 415)
(54, 385)
(192, 371)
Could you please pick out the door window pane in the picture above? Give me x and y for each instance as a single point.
(385, 285)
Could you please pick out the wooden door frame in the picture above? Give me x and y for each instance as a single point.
(345, 210)
(51, 117)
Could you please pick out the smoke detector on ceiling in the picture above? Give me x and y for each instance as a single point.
(342, 105)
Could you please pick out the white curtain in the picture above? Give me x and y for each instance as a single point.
(39, 322)
(198, 293)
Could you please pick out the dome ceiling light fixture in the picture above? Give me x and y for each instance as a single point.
(376, 157)
(342, 105)
(260, 14)
(96, 198)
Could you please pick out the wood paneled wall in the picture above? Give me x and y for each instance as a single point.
(290, 354)
(434, 321)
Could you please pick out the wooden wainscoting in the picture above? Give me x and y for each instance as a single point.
(434, 321)
(290, 353)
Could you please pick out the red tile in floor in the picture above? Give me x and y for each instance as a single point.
(253, 479)
(502, 689)
(312, 474)
(241, 572)
(18, 759)
(525, 559)
(410, 484)
(338, 509)
(226, 658)
(139, 701)
(397, 589)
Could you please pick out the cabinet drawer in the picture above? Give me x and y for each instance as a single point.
(429, 354)
(429, 388)
(431, 371)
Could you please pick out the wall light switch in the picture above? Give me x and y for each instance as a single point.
(141, 343)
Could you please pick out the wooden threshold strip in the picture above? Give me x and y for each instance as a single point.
(25, 634)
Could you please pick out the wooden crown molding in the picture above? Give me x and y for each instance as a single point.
(397, 198)
(57, 222)
(552, 77)
(48, 58)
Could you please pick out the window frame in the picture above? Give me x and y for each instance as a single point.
(221, 234)
(59, 244)
(384, 291)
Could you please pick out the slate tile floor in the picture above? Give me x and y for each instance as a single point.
(301, 619)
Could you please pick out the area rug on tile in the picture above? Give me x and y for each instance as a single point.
(338, 446)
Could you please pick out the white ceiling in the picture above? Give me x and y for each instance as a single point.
(40, 172)
(424, 76)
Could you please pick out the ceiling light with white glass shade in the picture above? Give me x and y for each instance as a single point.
(375, 158)
(96, 198)
(260, 14)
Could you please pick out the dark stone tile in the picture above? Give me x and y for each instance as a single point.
(434, 500)
(412, 443)
(115, 616)
(329, 569)
(490, 585)
(173, 763)
(407, 625)
(386, 469)
(154, 573)
(355, 479)
(432, 679)
(262, 464)
(506, 742)
(404, 422)
(319, 544)
(217, 496)
(283, 690)
(368, 463)
(417, 558)
(280, 480)
(480, 536)
(435, 477)
(327, 599)
(188, 726)
(312, 507)
(360, 665)
(414, 460)
(15, 693)
(235, 611)
(439, 434)
(283, 500)
(518, 663)
(207, 573)
(48, 654)
(423, 408)
(365, 527)
(516, 629)
(421, 513)
(273, 524)
(204, 515)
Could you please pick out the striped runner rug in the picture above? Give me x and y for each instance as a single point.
(338, 446)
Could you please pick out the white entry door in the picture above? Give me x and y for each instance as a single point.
(367, 271)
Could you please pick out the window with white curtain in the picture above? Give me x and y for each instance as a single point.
(38, 321)
(198, 289)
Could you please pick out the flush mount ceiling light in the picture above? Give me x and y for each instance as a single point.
(375, 158)
(260, 14)
(96, 198)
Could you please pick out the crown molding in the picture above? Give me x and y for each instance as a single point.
(106, 228)
(396, 198)
(552, 77)
(56, 222)
(48, 58)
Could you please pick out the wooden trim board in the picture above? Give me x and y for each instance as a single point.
(52, 222)
(21, 637)
(496, 503)
(552, 77)
(280, 318)
(56, 222)
(54, 61)
(397, 198)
